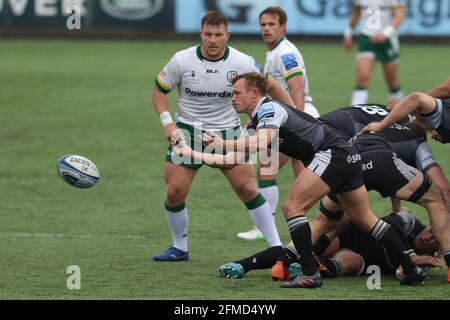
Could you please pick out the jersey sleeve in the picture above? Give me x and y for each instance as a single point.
(255, 66)
(271, 115)
(169, 77)
(424, 158)
(290, 65)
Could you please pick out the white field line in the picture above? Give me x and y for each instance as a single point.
(67, 235)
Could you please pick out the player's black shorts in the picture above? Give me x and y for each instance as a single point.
(339, 168)
(384, 172)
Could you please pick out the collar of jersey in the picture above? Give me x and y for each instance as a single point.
(281, 40)
(201, 57)
(260, 102)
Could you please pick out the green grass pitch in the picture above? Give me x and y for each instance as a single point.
(94, 99)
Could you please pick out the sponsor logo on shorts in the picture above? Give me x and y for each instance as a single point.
(353, 158)
(367, 166)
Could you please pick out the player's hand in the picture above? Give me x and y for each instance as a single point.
(212, 140)
(426, 260)
(436, 136)
(180, 148)
(378, 38)
(372, 127)
(347, 43)
(171, 131)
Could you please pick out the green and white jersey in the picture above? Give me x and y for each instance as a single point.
(284, 62)
(376, 14)
(205, 86)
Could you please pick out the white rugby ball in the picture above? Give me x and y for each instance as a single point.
(78, 171)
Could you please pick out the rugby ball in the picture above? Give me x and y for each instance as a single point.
(78, 171)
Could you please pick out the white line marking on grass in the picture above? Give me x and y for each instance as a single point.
(65, 235)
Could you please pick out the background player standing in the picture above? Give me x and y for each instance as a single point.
(378, 41)
(285, 64)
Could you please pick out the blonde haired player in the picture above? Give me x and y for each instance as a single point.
(203, 76)
(286, 65)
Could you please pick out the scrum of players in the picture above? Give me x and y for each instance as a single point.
(344, 153)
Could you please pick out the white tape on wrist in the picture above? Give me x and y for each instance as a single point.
(388, 31)
(165, 118)
(348, 33)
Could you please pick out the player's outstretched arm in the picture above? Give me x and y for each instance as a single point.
(236, 151)
(228, 161)
(441, 91)
(416, 101)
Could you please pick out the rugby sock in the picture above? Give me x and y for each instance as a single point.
(395, 93)
(269, 190)
(334, 266)
(260, 212)
(387, 236)
(262, 260)
(321, 245)
(446, 255)
(289, 255)
(360, 96)
(301, 236)
(291, 251)
(178, 221)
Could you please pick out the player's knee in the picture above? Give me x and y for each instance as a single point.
(175, 194)
(293, 207)
(247, 190)
(363, 79)
(351, 263)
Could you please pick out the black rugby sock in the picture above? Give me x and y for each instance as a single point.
(384, 233)
(301, 236)
(321, 245)
(262, 260)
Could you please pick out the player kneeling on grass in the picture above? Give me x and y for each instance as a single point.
(347, 251)
(331, 164)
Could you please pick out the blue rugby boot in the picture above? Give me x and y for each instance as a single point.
(231, 270)
(172, 254)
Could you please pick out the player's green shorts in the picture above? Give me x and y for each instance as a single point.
(192, 139)
(385, 52)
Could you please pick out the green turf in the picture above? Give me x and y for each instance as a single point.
(94, 98)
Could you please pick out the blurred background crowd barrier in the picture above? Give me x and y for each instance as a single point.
(425, 18)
